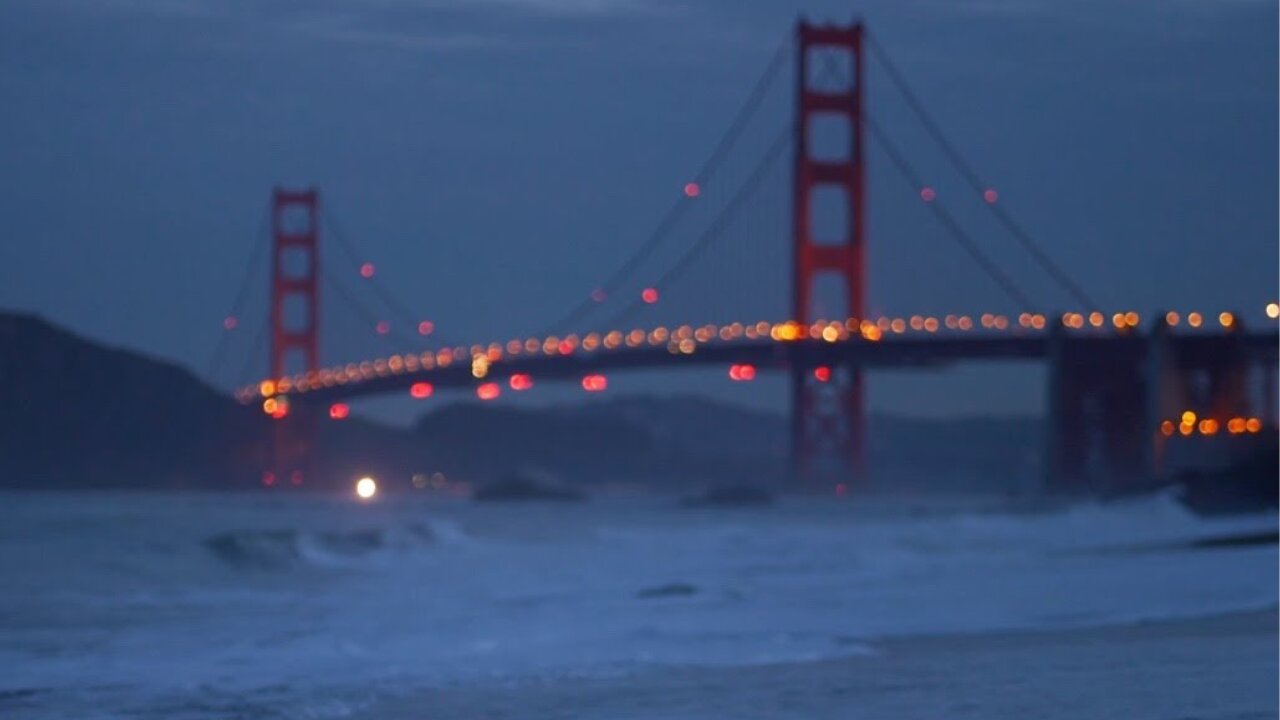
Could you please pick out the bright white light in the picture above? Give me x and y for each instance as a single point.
(366, 488)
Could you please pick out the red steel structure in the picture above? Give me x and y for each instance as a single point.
(295, 265)
(295, 319)
(827, 408)
(1114, 399)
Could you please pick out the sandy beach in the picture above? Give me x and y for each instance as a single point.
(1215, 668)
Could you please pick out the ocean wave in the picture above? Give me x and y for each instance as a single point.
(287, 548)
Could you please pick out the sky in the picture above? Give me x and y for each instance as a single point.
(496, 159)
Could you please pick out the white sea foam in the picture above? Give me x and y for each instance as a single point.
(127, 602)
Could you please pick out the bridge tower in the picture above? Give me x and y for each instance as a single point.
(295, 259)
(295, 305)
(827, 404)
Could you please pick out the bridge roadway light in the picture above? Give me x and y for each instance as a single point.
(1273, 310)
(277, 407)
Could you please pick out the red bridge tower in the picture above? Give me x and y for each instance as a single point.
(295, 260)
(295, 305)
(827, 404)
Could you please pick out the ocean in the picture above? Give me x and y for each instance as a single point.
(280, 605)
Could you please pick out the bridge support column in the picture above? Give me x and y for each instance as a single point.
(1064, 422)
(293, 442)
(1229, 378)
(1214, 382)
(295, 305)
(827, 406)
(1215, 386)
(1166, 394)
(1097, 435)
(827, 424)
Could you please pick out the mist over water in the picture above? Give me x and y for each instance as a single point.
(211, 605)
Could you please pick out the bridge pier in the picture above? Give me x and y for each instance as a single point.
(1098, 430)
(1167, 392)
(1215, 387)
(1106, 404)
(1229, 377)
(293, 446)
(828, 428)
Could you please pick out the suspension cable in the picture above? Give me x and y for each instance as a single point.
(988, 266)
(258, 350)
(399, 310)
(676, 211)
(364, 312)
(715, 230)
(966, 170)
(252, 270)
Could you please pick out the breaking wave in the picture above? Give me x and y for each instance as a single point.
(282, 549)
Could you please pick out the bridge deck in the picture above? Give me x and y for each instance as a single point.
(892, 351)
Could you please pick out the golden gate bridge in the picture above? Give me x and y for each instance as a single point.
(1120, 386)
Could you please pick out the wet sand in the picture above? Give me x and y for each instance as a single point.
(1215, 668)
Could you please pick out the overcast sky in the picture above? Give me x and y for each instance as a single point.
(497, 158)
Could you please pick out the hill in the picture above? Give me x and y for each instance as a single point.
(74, 413)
